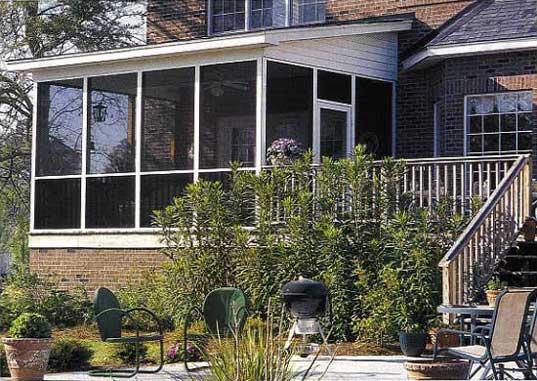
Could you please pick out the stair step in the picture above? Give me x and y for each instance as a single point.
(517, 272)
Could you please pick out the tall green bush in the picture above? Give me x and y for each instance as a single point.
(258, 231)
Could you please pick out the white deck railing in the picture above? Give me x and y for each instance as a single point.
(469, 263)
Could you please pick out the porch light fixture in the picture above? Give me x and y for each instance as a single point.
(100, 112)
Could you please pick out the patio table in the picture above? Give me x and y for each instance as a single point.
(474, 311)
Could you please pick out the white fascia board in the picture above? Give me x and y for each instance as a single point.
(200, 46)
(431, 55)
(142, 52)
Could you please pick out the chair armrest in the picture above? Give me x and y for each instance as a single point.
(150, 313)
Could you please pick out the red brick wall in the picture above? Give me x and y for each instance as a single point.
(92, 268)
(479, 75)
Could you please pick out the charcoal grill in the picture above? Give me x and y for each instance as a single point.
(307, 301)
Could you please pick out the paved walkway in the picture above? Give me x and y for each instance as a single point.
(343, 368)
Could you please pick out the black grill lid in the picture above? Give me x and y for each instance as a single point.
(305, 287)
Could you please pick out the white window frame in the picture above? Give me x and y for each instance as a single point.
(260, 155)
(288, 17)
(467, 133)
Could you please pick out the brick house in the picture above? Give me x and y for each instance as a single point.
(220, 80)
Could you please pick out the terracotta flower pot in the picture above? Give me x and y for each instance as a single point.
(491, 296)
(27, 359)
(529, 229)
(437, 370)
(446, 339)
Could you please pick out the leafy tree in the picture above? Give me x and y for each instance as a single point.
(35, 29)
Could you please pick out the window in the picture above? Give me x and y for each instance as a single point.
(110, 202)
(240, 15)
(57, 204)
(111, 127)
(373, 121)
(227, 15)
(228, 114)
(168, 120)
(334, 87)
(499, 123)
(309, 11)
(158, 191)
(289, 104)
(59, 137)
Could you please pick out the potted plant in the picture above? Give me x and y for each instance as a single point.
(284, 151)
(493, 289)
(28, 347)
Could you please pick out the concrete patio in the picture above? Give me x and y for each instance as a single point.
(343, 368)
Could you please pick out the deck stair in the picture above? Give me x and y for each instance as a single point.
(519, 268)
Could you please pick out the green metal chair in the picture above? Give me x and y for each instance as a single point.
(109, 317)
(224, 312)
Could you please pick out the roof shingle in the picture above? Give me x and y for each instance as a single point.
(490, 20)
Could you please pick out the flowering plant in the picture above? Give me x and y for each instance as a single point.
(284, 151)
(175, 353)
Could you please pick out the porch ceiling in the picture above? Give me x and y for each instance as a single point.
(250, 40)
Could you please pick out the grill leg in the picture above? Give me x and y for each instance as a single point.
(321, 332)
(290, 336)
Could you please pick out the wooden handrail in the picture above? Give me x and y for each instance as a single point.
(474, 256)
(485, 210)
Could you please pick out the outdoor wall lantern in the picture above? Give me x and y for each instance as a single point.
(100, 112)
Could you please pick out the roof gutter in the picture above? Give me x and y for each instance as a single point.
(433, 54)
(238, 41)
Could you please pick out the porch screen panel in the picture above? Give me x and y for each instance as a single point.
(289, 107)
(168, 120)
(373, 121)
(110, 202)
(57, 204)
(334, 87)
(227, 115)
(59, 128)
(158, 191)
(111, 128)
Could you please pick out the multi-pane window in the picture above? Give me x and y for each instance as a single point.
(237, 15)
(261, 16)
(499, 123)
(309, 11)
(227, 15)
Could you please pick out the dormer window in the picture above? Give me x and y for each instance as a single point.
(245, 15)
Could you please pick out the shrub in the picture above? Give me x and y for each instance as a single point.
(24, 292)
(69, 354)
(367, 254)
(126, 352)
(30, 325)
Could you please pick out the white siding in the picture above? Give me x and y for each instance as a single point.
(370, 55)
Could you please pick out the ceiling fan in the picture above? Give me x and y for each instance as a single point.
(217, 88)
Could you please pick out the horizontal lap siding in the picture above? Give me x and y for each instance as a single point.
(369, 55)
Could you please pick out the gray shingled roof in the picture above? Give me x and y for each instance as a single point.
(490, 20)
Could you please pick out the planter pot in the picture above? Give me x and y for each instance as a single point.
(27, 359)
(491, 296)
(445, 340)
(437, 370)
(412, 344)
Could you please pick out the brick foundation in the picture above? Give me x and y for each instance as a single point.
(92, 268)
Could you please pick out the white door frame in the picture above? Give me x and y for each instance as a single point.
(335, 106)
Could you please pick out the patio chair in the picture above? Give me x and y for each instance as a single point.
(109, 317)
(505, 340)
(224, 313)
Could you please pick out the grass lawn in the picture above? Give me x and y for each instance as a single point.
(105, 355)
